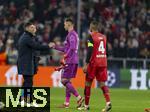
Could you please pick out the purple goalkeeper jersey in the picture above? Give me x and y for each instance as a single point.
(70, 47)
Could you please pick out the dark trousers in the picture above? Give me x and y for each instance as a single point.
(28, 91)
(28, 81)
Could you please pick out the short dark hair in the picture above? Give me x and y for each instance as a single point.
(69, 20)
(27, 24)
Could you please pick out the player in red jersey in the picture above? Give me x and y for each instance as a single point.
(96, 66)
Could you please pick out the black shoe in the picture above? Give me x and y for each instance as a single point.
(80, 102)
(84, 108)
(107, 108)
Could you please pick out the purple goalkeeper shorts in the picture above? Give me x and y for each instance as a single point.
(70, 71)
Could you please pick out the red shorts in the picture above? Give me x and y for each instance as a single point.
(99, 72)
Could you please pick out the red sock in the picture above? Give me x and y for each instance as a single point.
(87, 93)
(106, 93)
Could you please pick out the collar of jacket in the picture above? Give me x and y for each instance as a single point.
(29, 33)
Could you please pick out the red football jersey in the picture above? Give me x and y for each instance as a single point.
(99, 57)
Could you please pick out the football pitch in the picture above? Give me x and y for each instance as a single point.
(123, 100)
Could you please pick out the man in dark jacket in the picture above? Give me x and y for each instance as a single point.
(27, 61)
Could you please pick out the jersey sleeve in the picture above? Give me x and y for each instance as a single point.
(89, 49)
(60, 48)
(72, 47)
(36, 45)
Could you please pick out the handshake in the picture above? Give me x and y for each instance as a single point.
(51, 44)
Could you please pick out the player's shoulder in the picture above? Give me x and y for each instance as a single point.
(22, 38)
(89, 38)
(74, 33)
(101, 36)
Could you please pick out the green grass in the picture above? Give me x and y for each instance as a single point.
(123, 100)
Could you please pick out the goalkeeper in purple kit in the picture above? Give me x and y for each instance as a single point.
(70, 50)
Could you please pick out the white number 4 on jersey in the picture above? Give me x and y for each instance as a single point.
(101, 47)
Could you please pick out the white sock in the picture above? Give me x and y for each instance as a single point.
(108, 103)
(67, 103)
(78, 97)
(86, 106)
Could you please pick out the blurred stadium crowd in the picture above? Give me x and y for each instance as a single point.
(125, 22)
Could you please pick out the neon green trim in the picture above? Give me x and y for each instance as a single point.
(90, 44)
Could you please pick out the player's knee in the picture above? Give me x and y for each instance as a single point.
(88, 83)
(102, 84)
